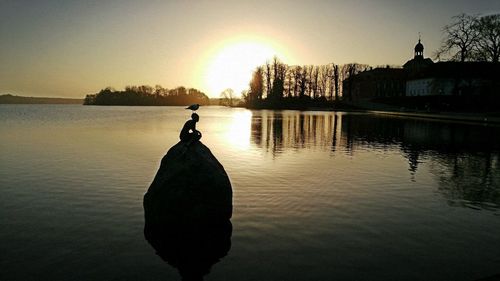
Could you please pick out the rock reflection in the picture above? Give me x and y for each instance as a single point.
(463, 157)
(191, 249)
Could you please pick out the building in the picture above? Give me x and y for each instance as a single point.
(378, 82)
(455, 79)
(422, 77)
(418, 63)
(383, 82)
(415, 84)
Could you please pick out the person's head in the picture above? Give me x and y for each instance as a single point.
(195, 117)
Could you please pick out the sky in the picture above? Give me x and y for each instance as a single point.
(69, 48)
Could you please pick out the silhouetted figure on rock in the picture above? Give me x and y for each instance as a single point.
(188, 208)
(189, 134)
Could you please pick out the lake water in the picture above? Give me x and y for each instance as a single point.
(317, 195)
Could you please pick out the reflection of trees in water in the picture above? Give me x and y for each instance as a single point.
(464, 157)
(362, 131)
(469, 180)
(256, 127)
(280, 131)
(417, 138)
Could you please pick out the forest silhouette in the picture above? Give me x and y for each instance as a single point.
(147, 95)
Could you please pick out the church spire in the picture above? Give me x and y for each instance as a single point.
(419, 49)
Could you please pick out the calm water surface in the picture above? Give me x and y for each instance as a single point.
(317, 195)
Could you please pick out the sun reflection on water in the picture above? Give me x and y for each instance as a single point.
(238, 133)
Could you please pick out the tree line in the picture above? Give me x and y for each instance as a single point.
(314, 84)
(147, 95)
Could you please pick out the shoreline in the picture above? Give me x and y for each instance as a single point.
(472, 117)
(12, 99)
(481, 118)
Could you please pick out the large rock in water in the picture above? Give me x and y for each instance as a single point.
(188, 209)
(191, 185)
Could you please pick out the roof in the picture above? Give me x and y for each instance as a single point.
(418, 62)
(384, 73)
(419, 47)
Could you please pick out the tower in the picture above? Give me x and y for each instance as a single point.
(418, 63)
(419, 49)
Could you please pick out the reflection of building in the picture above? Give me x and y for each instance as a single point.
(471, 181)
(422, 77)
(416, 138)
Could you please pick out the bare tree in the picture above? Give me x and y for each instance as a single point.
(308, 79)
(329, 84)
(488, 44)
(279, 70)
(348, 72)
(227, 97)
(336, 79)
(257, 84)
(245, 96)
(303, 82)
(296, 80)
(460, 38)
(268, 75)
(289, 82)
(323, 80)
(314, 81)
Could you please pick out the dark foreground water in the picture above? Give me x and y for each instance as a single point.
(317, 195)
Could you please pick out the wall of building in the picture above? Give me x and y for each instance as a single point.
(376, 83)
(442, 86)
(430, 87)
(419, 87)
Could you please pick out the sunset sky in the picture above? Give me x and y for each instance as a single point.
(72, 48)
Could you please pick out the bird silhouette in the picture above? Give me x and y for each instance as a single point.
(193, 107)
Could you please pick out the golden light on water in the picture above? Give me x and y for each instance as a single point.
(238, 133)
(231, 63)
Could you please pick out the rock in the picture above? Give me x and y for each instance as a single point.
(187, 210)
(191, 185)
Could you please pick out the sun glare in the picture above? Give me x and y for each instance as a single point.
(233, 62)
(239, 131)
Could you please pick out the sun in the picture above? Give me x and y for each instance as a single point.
(233, 62)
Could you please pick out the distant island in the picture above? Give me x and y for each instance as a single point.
(11, 99)
(147, 96)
